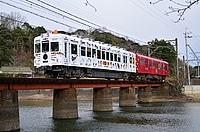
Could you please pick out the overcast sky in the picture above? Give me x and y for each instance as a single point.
(136, 19)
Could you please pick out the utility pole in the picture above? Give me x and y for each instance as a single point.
(186, 46)
(148, 49)
(184, 75)
(177, 67)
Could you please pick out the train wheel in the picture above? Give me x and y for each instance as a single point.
(125, 77)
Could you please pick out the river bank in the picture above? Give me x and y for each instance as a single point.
(88, 95)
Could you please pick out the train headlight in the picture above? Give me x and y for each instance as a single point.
(45, 56)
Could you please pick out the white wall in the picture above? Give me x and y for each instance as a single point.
(191, 89)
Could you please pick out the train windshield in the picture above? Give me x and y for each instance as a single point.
(54, 46)
(45, 46)
(37, 47)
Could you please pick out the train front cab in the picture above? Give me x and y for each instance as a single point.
(165, 68)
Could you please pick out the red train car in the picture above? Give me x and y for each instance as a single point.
(149, 68)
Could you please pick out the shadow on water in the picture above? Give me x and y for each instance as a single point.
(37, 116)
(143, 114)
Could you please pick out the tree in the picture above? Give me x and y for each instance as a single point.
(165, 51)
(5, 49)
(16, 40)
(23, 44)
(12, 20)
(180, 8)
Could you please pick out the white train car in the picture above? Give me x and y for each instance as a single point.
(60, 54)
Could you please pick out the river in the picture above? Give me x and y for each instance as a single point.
(36, 116)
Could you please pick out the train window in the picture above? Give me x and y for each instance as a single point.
(94, 53)
(88, 52)
(37, 47)
(141, 62)
(165, 67)
(103, 55)
(107, 55)
(145, 62)
(156, 65)
(131, 60)
(162, 66)
(54, 46)
(124, 59)
(73, 48)
(45, 46)
(111, 56)
(65, 49)
(115, 57)
(118, 58)
(159, 66)
(150, 64)
(83, 52)
(98, 54)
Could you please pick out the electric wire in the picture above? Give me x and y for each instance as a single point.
(88, 25)
(81, 18)
(38, 15)
(89, 22)
(64, 16)
(150, 14)
(94, 17)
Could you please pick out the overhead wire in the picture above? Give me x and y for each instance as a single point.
(89, 22)
(66, 13)
(64, 16)
(158, 18)
(40, 9)
(83, 20)
(37, 14)
(181, 27)
(65, 24)
(94, 17)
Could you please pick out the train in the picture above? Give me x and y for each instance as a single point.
(60, 54)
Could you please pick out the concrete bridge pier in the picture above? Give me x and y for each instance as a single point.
(9, 110)
(127, 96)
(159, 93)
(102, 99)
(65, 104)
(144, 94)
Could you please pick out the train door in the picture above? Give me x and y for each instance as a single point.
(165, 69)
(66, 52)
(94, 56)
(74, 52)
(150, 65)
(37, 52)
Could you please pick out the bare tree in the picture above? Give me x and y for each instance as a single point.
(87, 3)
(12, 20)
(180, 8)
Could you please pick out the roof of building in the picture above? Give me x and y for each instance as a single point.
(16, 70)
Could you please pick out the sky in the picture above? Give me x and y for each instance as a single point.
(138, 20)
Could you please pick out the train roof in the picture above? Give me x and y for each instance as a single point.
(85, 40)
(151, 58)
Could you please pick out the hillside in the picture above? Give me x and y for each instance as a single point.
(110, 39)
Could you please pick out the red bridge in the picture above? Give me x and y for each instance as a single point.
(48, 83)
(65, 96)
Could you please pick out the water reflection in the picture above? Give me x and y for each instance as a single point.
(37, 116)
